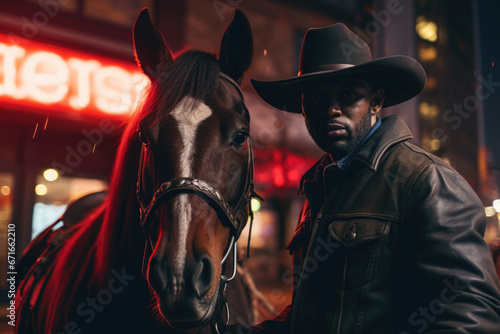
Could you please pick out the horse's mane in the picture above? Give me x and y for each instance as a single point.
(111, 234)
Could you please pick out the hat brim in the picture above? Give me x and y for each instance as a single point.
(401, 77)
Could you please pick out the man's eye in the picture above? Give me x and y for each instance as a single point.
(316, 98)
(350, 94)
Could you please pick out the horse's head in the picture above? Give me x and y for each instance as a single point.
(195, 166)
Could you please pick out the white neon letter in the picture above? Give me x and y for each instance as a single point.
(84, 69)
(9, 69)
(45, 75)
(112, 87)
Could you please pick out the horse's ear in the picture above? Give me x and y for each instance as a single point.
(150, 48)
(236, 48)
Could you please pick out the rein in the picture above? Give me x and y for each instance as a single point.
(234, 217)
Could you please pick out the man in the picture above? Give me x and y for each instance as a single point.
(390, 238)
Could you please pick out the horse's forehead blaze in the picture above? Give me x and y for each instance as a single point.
(184, 114)
(188, 120)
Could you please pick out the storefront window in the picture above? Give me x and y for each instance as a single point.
(54, 193)
(6, 196)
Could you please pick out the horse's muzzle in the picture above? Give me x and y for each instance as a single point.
(183, 299)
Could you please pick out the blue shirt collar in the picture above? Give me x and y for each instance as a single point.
(346, 161)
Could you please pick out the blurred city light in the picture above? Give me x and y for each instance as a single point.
(5, 190)
(427, 54)
(490, 211)
(428, 110)
(255, 205)
(50, 174)
(426, 29)
(41, 189)
(496, 205)
(435, 144)
(432, 82)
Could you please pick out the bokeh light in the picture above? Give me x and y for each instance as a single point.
(41, 189)
(255, 205)
(50, 174)
(5, 190)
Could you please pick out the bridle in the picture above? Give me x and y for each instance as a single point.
(235, 217)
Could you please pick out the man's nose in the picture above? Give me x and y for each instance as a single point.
(333, 109)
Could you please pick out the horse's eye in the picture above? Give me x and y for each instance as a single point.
(239, 139)
(143, 138)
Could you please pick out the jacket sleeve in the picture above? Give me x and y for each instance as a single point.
(453, 263)
(280, 324)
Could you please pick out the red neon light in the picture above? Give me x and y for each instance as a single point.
(279, 169)
(40, 75)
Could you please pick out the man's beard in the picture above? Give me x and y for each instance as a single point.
(354, 138)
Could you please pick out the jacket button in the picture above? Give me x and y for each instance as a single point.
(350, 234)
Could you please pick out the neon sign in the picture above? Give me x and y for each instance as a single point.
(39, 75)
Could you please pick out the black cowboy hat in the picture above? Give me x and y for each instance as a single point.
(334, 53)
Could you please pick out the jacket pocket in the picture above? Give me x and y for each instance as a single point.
(362, 239)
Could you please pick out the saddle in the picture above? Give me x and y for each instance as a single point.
(37, 259)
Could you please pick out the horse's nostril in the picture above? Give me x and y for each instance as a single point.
(157, 278)
(203, 276)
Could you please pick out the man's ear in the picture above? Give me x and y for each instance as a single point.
(378, 98)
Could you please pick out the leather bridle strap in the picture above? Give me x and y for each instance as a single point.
(233, 217)
(234, 83)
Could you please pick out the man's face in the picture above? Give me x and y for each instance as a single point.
(339, 115)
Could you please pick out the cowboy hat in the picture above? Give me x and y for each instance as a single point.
(334, 53)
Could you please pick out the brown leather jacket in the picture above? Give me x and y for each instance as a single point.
(396, 247)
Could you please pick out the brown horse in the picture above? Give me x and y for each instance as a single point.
(152, 257)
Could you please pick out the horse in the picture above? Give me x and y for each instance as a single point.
(152, 257)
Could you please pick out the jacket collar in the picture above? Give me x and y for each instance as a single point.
(393, 130)
(315, 173)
